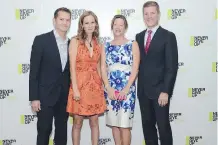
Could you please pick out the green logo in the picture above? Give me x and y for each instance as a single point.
(191, 140)
(216, 14)
(212, 116)
(7, 141)
(173, 14)
(174, 116)
(71, 120)
(194, 92)
(6, 94)
(103, 141)
(125, 12)
(51, 142)
(23, 68)
(22, 14)
(214, 67)
(27, 119)
(76, 13)
(103, 40)
(3, 40)
(197, 40)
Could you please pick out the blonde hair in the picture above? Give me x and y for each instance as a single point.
(119, 17)
(81, 34)
(151, 3)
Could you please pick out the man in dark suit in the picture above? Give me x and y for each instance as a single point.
(49, 79)
(157, 75)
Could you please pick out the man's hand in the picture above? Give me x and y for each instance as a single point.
(163, 99)
(36, 105)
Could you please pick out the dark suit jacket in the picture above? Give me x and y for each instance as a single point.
(158, 68)
(47, 81)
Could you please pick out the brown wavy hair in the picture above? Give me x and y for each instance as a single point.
(81, 34)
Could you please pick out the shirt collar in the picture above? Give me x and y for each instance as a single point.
(154, 29)
(57, 36)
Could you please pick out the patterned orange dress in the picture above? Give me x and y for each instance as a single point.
(90, 85)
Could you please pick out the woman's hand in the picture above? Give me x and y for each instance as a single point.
(123, 93)
(76, 94)
(111, 93)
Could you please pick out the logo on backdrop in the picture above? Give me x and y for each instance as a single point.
(76, 13)
(144, 142)
(214, 66)
(126, 12)
(216, 14)
(213, 116)
(174, 116)
(4, 40)
(104, 141)
(27, 119)
(191, 140)
(51, 142)
(7, 141)
(6, 93)
(197, 40)
(173, 14)
(181, 65)
(70, 120)
(23, 68)
(103, 40)
(194, 92)
(22, 14)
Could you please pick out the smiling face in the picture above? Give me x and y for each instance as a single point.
(151, 16)
(89, 24)
(119, 27)
(62, 21)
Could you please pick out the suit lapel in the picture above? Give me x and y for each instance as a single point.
(67, 64)
(68, 44)
(54, 47)
(142, 41)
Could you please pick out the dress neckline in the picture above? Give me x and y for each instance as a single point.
(120, 44)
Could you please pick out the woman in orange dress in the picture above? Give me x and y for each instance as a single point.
(86, 94)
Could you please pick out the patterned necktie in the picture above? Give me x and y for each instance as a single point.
(148, 41)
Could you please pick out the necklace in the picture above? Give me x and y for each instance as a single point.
(90, 43)
(90, 48)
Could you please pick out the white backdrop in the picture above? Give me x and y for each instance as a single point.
(193, 108)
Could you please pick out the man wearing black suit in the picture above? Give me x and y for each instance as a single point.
(157, 75)
(49, 79)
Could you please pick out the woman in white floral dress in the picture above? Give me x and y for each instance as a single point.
(121, 57)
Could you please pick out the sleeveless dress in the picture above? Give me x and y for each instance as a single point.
(89, 83)
(119, 60)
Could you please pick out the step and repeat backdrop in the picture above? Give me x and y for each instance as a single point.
(193, 113)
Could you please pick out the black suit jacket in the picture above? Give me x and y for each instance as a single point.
(47, 81)
(158, 68)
